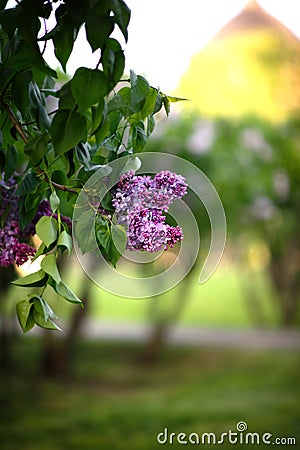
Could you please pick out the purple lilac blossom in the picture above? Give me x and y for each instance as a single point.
(139, 203)
(13, 249)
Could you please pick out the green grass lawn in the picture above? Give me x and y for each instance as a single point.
(225, 300)
(113, 401)
(222, 301)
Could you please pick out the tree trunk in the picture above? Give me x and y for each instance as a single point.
(155, 344)
(56, 357)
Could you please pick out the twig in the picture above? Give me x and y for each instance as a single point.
(61, 187)
(64, 188)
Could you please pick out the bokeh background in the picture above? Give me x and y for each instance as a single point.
(199, 358)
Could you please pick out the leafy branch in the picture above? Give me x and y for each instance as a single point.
(94, 120)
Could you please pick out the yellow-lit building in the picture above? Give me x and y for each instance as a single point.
(251, 67)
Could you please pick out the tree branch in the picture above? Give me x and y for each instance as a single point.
(21, 132)
(14, 121)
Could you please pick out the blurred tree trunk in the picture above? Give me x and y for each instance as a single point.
(285, 276)
(56, 357)
(57, 350)
(164, 320)
(6, 328)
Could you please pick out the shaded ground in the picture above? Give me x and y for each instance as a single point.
(113, 401)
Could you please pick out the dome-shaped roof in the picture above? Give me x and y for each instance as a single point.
(252, 66)
(253, 17)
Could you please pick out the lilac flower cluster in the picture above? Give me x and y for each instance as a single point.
(139, 203)
(13, 246)
(12, 249)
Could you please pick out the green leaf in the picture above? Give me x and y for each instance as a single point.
(98, 114)
(113, 256)
(103, 233)
(54, 201)
(20, 86)
(139, 89)
(132, 163)
(112, 239)
(36, 149)
(2, 160)
(32, 200)
(121, 16)
(98, 29)
(32, 55)
(158, 104)
(102, 131)
(28, 184)
(11, 157)
(42, 308)
(67, 129)
(65, 241)
(166, 104)
(40, 251)
(150, 125)
(35, 96)
(47, 324)
(49, 266)
(43, 315)
(120, 101)
(85, 232)
(8, 20)
(114, 119)
(64, 291)
(46, 229)
(7, 75)
(63, 40)
(36, 279)
(24, 310)
(113, 61)
(88, 87)
(43, 120)
(25, 214)
(66, 99)
(150, 102)
(140, 138)
(35, 56)
(106, 202)
(176, 99)
(83, 155)
(119, 238)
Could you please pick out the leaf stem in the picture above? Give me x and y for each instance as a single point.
(61, 187)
